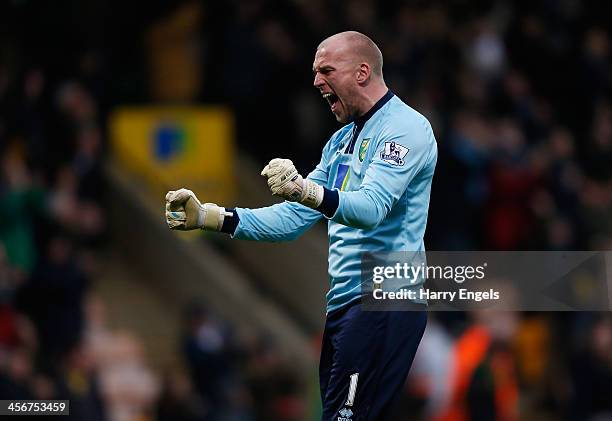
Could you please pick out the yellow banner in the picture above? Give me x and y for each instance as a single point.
(191, 147)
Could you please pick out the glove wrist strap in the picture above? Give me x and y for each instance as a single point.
(212, 217)
(312, 194)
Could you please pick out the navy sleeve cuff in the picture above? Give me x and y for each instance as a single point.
(329, 205)
(230, 222)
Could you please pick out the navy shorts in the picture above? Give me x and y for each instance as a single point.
(365, 358)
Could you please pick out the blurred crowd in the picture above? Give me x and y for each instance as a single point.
(519, 95)
(55, 338)
(230, 376)
(520, 98)
(51, 224)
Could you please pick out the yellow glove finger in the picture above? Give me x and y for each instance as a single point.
(280, 161)
(181, 196)
(275, 166)
(178, 197)
(266, 171)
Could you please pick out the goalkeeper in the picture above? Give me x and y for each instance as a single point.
(372, 186)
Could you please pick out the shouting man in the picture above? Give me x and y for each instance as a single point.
(372, 185)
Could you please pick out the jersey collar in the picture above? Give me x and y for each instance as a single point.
(360, 121)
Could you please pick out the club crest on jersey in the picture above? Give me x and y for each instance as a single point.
(345, 414)
(363, 148)
(394, 153)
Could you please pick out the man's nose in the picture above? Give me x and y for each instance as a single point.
(318, 82)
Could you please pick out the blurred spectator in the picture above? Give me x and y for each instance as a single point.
(591, 372)
(79, 384)
(16, 370)
(20, 203)
(178, 401)
(54, 300)
(275, 387)
(428, 388)
(213, 361)
(483, 380)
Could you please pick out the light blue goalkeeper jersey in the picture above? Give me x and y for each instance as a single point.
(382, 166)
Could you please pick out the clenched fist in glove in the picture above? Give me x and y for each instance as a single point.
(285, 181)
(185, 212)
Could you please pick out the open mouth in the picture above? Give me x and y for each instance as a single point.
(332, 99)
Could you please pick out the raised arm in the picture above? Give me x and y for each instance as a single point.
(397, 160)
(281, 222)
(399, 157)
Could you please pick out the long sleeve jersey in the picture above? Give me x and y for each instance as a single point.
(381, 166)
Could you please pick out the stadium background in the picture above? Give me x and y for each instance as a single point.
(100, 304)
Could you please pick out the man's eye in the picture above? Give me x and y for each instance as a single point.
(322, 71)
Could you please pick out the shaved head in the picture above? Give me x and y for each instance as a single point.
(347, 72)
(357, 46)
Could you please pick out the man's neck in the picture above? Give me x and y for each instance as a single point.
(372, 96)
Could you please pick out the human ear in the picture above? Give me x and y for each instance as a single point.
(363, 72)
